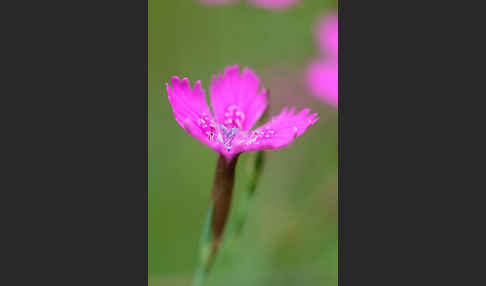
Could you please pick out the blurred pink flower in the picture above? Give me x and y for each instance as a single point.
(238, 103)
(322, 74)
(326, 34)
(273, 4)
(217, 1)
(322, 77)
(265, 4)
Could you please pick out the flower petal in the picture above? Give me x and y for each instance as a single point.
(279, 132)
(191, 110)
(236, 98)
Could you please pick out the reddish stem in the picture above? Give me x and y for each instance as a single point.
(221, 196)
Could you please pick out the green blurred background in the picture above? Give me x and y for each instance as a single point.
(291, 237)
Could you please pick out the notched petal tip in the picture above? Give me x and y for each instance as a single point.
(313, 118)
(303, 112)
(232, 69)
(182, 84)
(185, 83)
(174, 80)
(249, 73)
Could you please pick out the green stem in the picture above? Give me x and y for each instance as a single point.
(246, 201)
(205, 250)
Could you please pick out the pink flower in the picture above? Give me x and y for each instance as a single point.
(217, 2)
(238, 103)
(265, 4)
(322, 74)
(273, 4)
(322, 77)
(327, 35)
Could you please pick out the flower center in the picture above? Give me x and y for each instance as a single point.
(227, 136)
(233, 117)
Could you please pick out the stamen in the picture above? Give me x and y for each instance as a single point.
(207, 126)
(233, 117)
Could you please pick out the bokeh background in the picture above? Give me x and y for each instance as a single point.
(291, 237)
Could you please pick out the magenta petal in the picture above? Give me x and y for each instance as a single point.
(322, 79)
(236, 98)
(274, 4)
(191, 110)
(279, 132)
